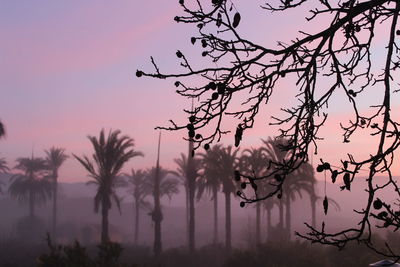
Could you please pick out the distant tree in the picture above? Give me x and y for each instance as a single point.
(110, 155)
(188, 168)
(32, 185)
(137, 188)
(2, 130)
(167, 187)
(55, 157)
(210, 182)
(297, 182)
(221, 163)
(254, 162)
(3, 169)
(274, 149)
(336, 58)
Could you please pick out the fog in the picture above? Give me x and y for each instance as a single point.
(77, 220)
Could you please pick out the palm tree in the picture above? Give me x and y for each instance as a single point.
(137, 183)
(2, 130)
(253, 162)
(33, 185)
(274, 152)
(3, 169)
(55, 157)
(300, 180)
(188, 169)
(160, 185)
(110, 155)
(224, 163)
(210, 182)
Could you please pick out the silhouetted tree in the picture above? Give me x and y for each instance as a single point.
(139, 191)
(254, 162)
(2, 130)
(298, 182)
(32, 185)
(188, 168)
(3, 169)
(210, 182)
(335, 57)
(167, 186)
(55, 157)
(110, 155)
(224, 162)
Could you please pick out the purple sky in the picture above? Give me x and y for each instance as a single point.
(68, 69)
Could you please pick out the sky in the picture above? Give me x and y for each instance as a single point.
(67, 70)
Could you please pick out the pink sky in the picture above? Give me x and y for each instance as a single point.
(68, 70)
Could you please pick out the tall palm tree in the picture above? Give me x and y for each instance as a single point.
(137, 188)
(253, 162)
(3, 169)
(2, 130)
(223, 166)
(32, 185)
(210, 182)
(274, 151)
(300, 180)
(160, 185)
(55, 157)
(188, 168)
(110, 155)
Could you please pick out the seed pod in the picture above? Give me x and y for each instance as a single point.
(334, 176)
(177, 83)
(320, 168)
(243, 185)
(203, 43)
(279, 196)
(221, 88)
(377, 204)
(326, 166)
(206, 146)
(198, 136)
(214, 96)
(192, 119)
(242, 204)
(190, 126)
(191, 133)
(179, 54)
(238, 193)
(219, 20)
(325, 203)
(236, 20)
(181, 2)
(139, 73)
(193, 40)
(212, 85)
(398, 32)
(346, 180)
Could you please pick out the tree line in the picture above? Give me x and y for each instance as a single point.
(205, 174)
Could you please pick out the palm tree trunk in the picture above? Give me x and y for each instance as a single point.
(187, 212)
(55, 192)
(215, 198)
(280, 226)
(288, 218)
(228, 238)
(31, 205)
(268, 224)
(191, 215)
(136, 221)
(104, 221)
(258, 223)
(313, 211)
